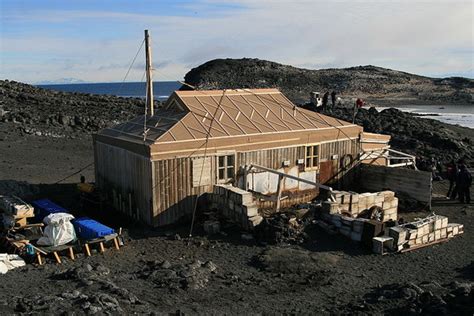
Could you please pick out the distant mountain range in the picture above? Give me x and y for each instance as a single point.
(60, 81)
(374, 84)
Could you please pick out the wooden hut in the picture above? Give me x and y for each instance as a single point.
(154, 167)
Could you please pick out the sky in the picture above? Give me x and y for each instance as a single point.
(96, 40)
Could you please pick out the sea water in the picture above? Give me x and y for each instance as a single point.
(462, 115)
(161, 89)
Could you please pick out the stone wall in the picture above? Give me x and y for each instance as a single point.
(237, 205)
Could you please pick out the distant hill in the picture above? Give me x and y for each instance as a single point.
(375, 84)
(60, 81)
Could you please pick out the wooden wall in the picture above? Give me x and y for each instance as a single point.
(174, 184)
(415, 183)
(174, 195)
(125, 178)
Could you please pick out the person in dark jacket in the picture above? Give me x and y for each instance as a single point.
(325, 99)
(463, 184)
(333, 98)
(451, 172)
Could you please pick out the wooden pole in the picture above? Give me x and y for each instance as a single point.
(149, 79)
(279, 190)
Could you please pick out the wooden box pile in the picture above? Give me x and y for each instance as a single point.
(352, 228)
(352, 204)
(237, 205)
(16, 209)
(430, 230)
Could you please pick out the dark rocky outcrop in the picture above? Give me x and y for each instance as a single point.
(44, 112)
(369, 82)
(422, 137)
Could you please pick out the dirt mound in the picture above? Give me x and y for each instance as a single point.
(94, 293)
(290, 260)
(429, 298)
(282, 228)
(192, 276)
(371, 82)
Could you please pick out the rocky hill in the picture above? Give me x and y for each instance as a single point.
(52, 113)
(375, 84)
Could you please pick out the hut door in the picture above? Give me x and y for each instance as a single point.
(327, 171)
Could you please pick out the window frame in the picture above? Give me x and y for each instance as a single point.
(312, 156)
(226, 167)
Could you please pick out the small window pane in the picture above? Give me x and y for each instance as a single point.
(308, 151)
(230, 160)
(221, 173)
(308, 162)
(315, 161)
(221, 161)
(230, 172)
(315, 150)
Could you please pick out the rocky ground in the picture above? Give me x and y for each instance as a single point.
(380, 85)
(166, 272)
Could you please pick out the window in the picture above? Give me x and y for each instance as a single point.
(225, 167)
(312, 157)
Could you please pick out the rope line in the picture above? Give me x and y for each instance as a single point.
(204, 160)
(73, 174)
(130, 67)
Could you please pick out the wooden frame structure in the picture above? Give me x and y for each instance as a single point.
(154, 168)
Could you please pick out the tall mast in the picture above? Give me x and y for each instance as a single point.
(149, 79)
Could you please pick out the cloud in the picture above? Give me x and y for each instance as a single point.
(425, 37)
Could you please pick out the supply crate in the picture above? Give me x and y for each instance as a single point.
(45, 207)
(87, 228)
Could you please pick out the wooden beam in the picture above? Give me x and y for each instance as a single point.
(149, 79)
(279, 190)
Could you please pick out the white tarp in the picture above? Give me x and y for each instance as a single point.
(291, 184)
(9, 262)
(310, 176)
(267, 182)
(59, 230)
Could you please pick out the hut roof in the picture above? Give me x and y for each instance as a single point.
(201, 114)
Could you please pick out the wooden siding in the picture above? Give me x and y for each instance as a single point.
(175, 190)
(174, 195)
(125, 178)
(272, 158)
(161, 192)
(415, 183)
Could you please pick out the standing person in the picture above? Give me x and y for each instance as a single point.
(325, 99)
(359, 103)
(451, 171)
(463, 183)
(333, 98)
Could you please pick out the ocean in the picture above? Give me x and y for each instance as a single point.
(462, 115)
(161, 89)
(452, 114)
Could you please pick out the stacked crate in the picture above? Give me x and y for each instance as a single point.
(350, 227)
(237, 205)
(15, 209)
(350, 203)
(423, 232)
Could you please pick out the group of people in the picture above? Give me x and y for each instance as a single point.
(460, 181)
(326, 99)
